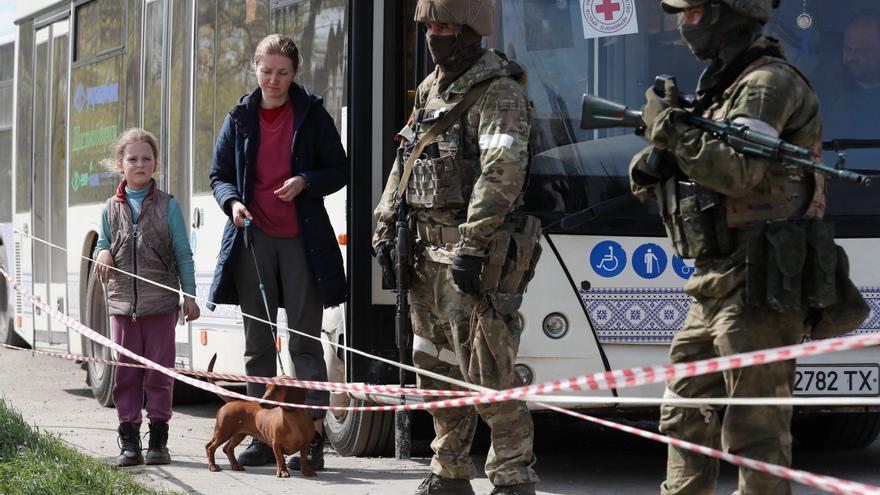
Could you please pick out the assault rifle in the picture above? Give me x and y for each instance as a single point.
(402, 267)
(599, 113)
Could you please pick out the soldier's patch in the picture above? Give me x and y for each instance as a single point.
(507, 104)
(489, 141)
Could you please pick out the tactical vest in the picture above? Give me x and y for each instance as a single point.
(442, 177)
(145, 250)
(699, 221)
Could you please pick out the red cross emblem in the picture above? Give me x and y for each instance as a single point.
(607, 8)
(609, 17)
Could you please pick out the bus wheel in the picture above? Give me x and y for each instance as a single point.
(352, 433)
(837, 431)
(11, 337)
(100, 376)
(360, 433)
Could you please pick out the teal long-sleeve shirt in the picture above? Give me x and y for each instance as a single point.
(179, 241)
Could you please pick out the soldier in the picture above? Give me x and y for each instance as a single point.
(474, 252)
(747, 221)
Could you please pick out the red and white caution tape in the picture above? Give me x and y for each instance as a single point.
(614, 379)
(825, 483)
(286, 382)
(818, 481)
(459, 383)
(395, 391)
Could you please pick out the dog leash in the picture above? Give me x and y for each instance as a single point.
(249, 245)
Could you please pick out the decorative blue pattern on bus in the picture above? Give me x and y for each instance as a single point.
(653, 315)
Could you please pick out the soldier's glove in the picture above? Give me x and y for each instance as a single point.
(668, 128)
(658, 99)
(384, 253)
(658, 102)
(466, 273)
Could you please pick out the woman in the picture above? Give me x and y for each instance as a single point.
(277, 156)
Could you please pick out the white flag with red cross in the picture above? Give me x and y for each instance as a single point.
(609, 18)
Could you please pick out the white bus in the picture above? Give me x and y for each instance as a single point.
(85, 70)
(7, 58)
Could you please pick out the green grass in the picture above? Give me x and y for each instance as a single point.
(34, 462)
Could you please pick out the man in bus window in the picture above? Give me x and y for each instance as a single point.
(464, 193)
(861, 50)
(860, 86)
(723, 208)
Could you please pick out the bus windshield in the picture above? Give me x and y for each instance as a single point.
(835, 44)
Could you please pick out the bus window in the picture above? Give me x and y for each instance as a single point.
(319, 29)
(227, 33)
(154, 58)
(573, 169)
(7, 57)
(97, 95)
(24, 105)
(99, 23)
(840, 54)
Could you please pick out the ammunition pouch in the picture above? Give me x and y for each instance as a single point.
(793, 265)
(513, 254)
(435, 183)
(694, 218)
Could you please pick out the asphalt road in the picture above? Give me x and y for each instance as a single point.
(573, 457)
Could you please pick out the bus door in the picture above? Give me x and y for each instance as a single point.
(49, 198)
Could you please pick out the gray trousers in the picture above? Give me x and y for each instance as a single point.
(288, 280)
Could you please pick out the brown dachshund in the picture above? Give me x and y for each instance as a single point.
(286, 429)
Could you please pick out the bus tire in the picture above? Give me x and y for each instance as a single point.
(101, 377)
(838, 431)
(360, 433)
(12, 337)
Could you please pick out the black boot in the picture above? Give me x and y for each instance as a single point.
(521, 489)
(437, 485)
(257, 454)
(130, 444)
(157, 450)
(316, 455)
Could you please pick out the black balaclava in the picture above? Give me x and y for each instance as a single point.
(722, 33)
(454, 53)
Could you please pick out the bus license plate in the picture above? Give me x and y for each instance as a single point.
(837, 379)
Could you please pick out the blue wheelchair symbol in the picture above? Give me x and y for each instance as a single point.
(608, 259)
(649, 260)
(681, 268)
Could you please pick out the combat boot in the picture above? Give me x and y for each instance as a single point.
(521, 489)
(257, 454)
(130, 445)
(437, 485)
(316, 455)
(157, 448)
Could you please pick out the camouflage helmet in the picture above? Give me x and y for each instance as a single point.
(477, 14)
(759, 10)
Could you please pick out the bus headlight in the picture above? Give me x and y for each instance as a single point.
(525, 373)
(555, 325)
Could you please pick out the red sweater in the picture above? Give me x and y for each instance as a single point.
(271, 215)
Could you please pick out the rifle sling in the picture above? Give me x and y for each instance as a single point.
(438, 128)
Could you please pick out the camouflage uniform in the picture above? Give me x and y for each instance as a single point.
(722, 320)
(458, 207)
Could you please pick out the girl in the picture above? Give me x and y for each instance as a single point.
(142, 232)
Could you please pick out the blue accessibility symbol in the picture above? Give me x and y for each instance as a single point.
(649, 260)
(608, 259)
(681, 268)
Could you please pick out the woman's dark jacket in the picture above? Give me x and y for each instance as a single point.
(316, 154)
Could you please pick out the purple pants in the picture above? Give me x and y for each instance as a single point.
(153, 338)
